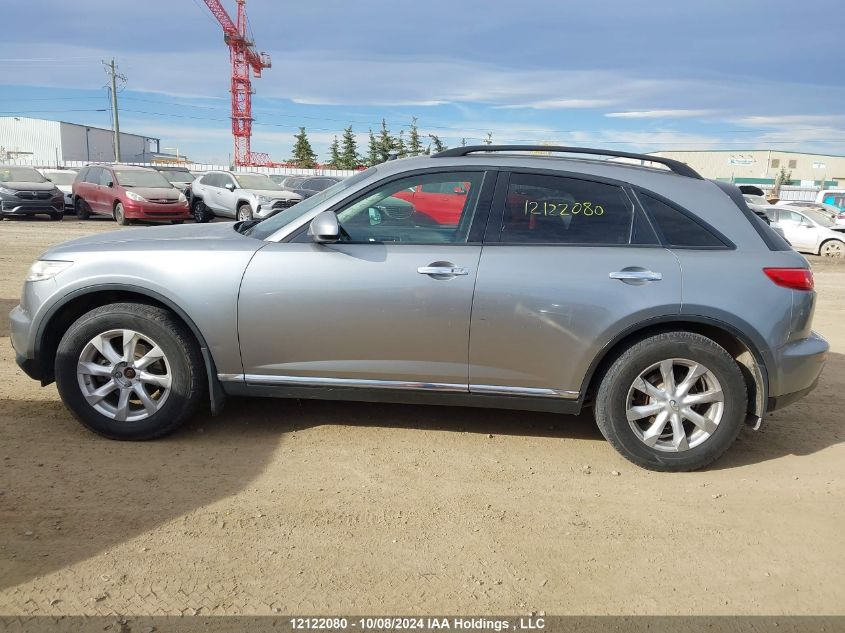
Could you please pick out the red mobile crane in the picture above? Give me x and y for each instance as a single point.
(244, 58)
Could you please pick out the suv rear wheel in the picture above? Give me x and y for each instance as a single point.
(201, 212)
(129, 371)
(672, 402)
(83, 211)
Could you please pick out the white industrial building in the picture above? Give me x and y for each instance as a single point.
(762, 166)
(43, 142)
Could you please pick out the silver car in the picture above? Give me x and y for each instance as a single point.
(244, 196)
(477, 277)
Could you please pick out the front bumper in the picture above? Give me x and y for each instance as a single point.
(156, 211)
(799, 365)
(31, 207)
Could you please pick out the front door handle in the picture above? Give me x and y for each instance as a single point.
(637, 275)
(442, 270)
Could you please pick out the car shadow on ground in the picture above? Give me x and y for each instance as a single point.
(120, 490)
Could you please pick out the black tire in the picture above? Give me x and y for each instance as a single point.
(201, 213)
(83, 211)
(175, 340)
(244, 213)
(611, 400)
(120, 215)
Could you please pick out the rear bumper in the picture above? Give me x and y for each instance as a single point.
(799, 365)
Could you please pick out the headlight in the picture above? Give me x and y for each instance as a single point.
(46, 269)
(134, 196)
(182, 197)
(8, 192)
(264, 199)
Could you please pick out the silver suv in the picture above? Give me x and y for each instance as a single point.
(480, 276)
(244, 196)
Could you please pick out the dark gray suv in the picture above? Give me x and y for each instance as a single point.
(481, 276)
(25, 191)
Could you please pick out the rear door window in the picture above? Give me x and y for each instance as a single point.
(544, 209)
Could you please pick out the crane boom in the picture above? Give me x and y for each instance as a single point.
(244, 59)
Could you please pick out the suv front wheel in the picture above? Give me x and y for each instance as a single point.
(129, 371)
(672, 402)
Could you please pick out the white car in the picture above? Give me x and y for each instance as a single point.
(63, 179)
(808, 231)
(242, 195)
(836, 214)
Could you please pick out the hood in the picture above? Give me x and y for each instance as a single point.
(275, 194)
(64, 188)
(29, 186)
(155, 193)
(168, 237)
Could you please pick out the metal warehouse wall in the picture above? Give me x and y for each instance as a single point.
(81, 142)
(32, 139)
(45, 142)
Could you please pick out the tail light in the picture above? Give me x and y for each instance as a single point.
(794, 278)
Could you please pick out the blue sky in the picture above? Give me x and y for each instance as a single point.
(635, 75)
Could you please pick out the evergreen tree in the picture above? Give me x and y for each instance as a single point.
(463, 142)
(489, 139)
(349, 150)
(399, 144)
(385, 142)
(303, 153)
(372, 150)
(334, 154)
(414, 142)
(436, 144)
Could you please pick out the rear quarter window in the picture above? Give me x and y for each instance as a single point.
(676, 227)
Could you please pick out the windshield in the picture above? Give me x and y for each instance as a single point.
(140, 178)
(62, 177)
(818, 218)
(274, 222)
(256, 181)
(177, 175)
(20, 174)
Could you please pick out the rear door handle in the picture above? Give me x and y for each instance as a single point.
(636, 275)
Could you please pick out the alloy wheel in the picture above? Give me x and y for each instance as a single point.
(124, 375)
(675, 405)
(833, 248)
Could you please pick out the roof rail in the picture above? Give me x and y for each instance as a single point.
(682, 169)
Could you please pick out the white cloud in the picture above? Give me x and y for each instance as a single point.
(660, 114)
(561, 104)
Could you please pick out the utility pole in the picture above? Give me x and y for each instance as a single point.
(111, 69)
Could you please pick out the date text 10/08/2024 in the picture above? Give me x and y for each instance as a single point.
(381, 623)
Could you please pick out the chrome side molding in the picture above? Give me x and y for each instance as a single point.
(316, 381)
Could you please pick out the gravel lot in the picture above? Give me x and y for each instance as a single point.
(307, 507)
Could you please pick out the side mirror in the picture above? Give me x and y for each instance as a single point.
(111, 184)
(229, 186)
(324, 229)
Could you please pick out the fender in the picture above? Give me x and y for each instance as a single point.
(215, 390)
(754, 343)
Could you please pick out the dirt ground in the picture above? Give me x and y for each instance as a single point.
(308, 507)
